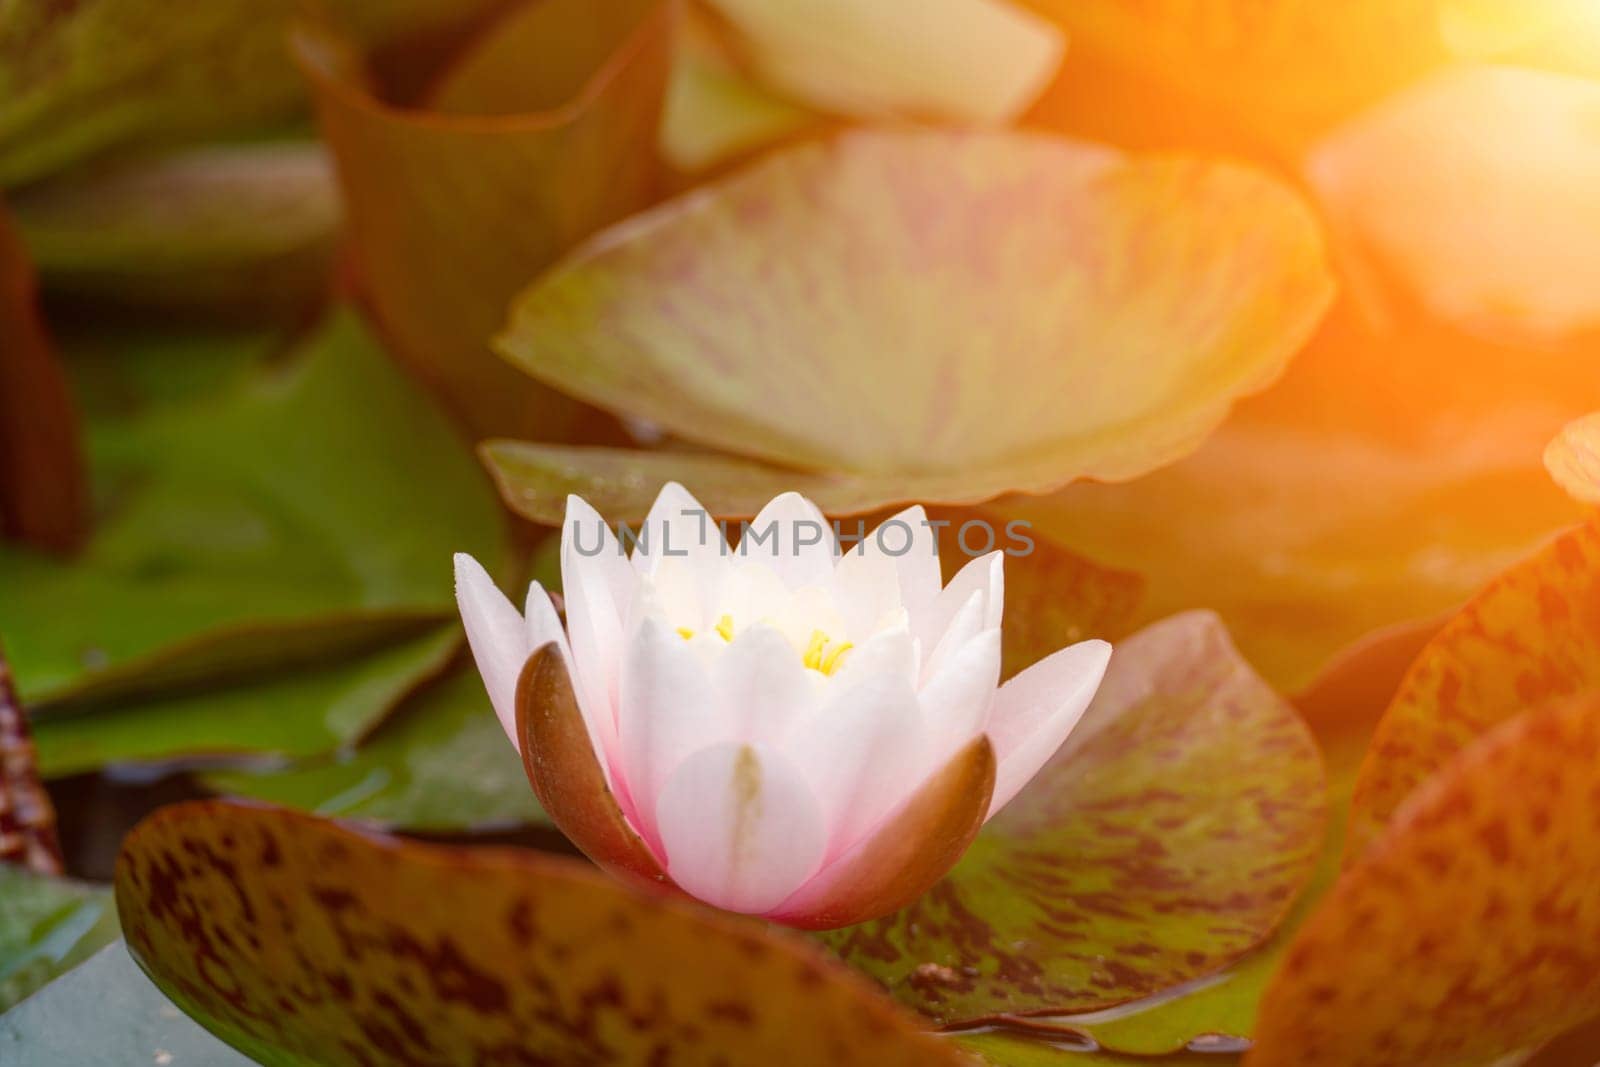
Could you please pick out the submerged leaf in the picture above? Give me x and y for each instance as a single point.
(441, 763)
(106, 1014)
(540, 134)
(235, 227)
(1472, 194)
(1531, 638)
(966, 61)
(340, 948)
(943, 316)
(1468, 929)
(47, 926)
(1168, 837)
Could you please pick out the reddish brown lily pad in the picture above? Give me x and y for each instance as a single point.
(1168, 837)
(298, 940)
(1470, 928)
(937, 315)
(1530, 638)
(540, 134)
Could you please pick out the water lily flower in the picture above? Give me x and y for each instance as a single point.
(787, 727)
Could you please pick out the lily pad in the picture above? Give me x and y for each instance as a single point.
(310, 710)
(962, 61)
(47, 926)
(263, 528)
(342, 948)
(1470, 195)
(1380, 481)
(538, 135)
(934, 314)
(440, 763)
(1532, 637)
(74, 81)
(240, 228)
(106, 1014)
(1573, 459)
(1169, 837)
(43, 486)
(1468, 929)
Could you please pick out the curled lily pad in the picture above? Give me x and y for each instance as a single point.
(43, 487)
(969, 61)
(1471, 195)
(1573, 459)
(1168, 837)
(440, 763)
(231, 227)
(539, 134)
(1468, 929)
(1531, 637)
(245, 531)
(937, 315)
(47, 926)
(340, 948)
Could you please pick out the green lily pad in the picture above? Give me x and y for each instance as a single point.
(47, 927)
(106, 1014)
(309, 514)
(243, 228)
(340, 948)
(1169, 837)
(310, 710)
(936, 315)
(442, 762)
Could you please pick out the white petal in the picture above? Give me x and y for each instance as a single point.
(862, 752)
(792, 537)
(544, 625)
(740, 827)
(762, 686)
(889, 652)
(956, 701)
(597, 583)
(678, 528)
(498, 636)
(667, 709)
(901, 555)
(985, 575)
(963, 627)
(1035, 711)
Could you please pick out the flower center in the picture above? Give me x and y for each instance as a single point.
(822, 653)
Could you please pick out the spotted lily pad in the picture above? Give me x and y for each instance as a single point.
(1468, 929)
(440, 763)
(539, 134)
(241, 532)
(300, 941)
(47, 927)
(1530, 638)
(1170, 836)
(932, 314)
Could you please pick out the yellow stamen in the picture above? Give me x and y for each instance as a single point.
(686, 633)
(725, 627)
(822, 655)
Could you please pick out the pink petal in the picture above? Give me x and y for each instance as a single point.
(956, 701)
(740, 826)
(1035, 711)
(985, 575)
(598, 585)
